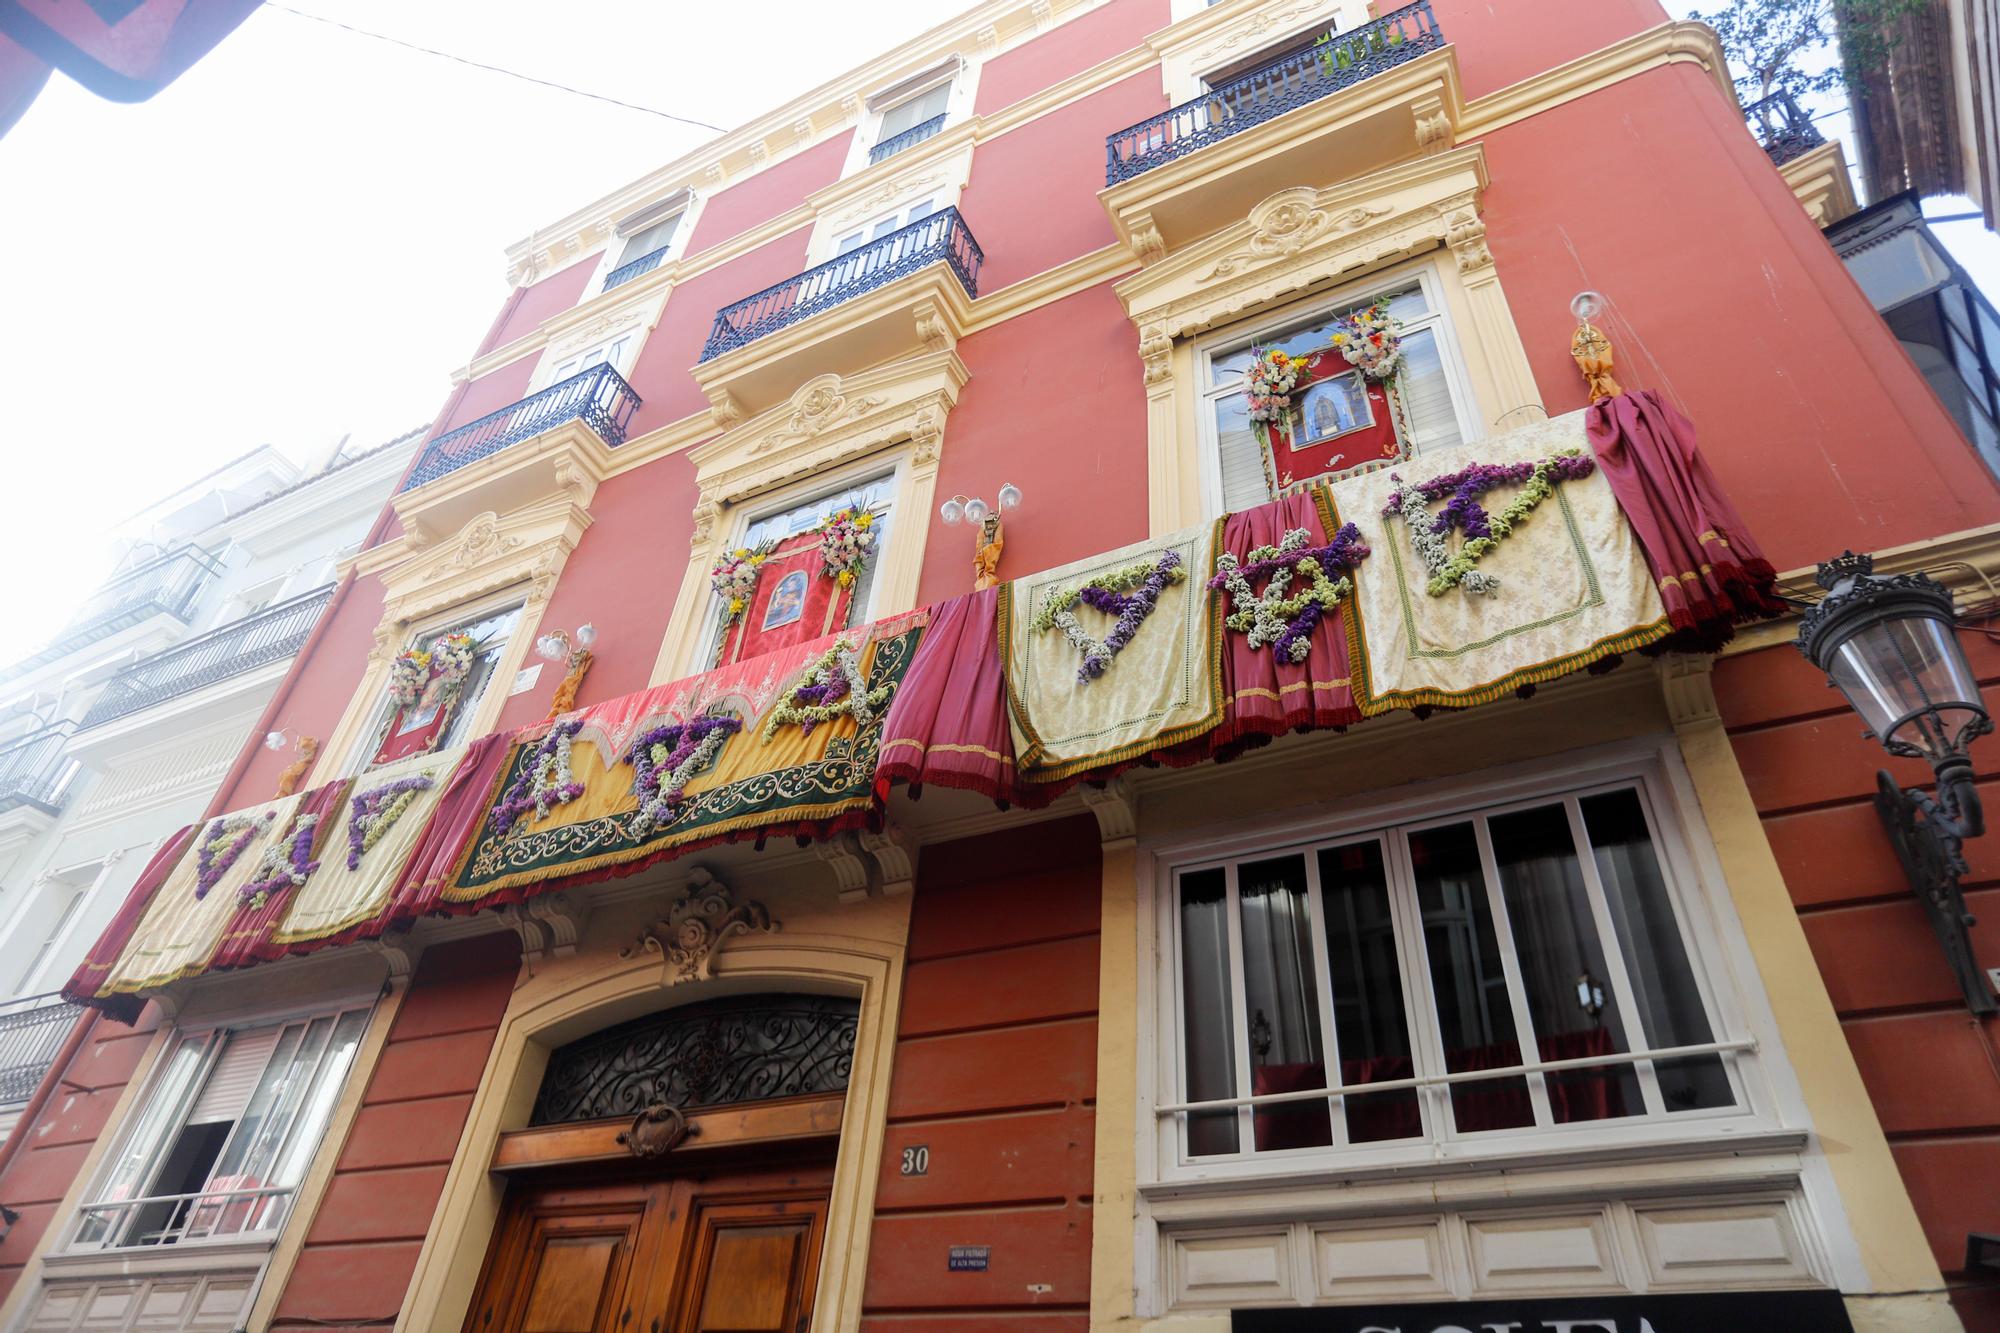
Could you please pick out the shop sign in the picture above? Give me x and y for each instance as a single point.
(1686, 1312)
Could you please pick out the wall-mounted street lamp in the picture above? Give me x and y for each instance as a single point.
(1888, 642)
(557, 646)
(986, 560)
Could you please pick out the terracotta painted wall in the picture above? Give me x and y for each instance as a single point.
(528, 306)
(1932, 1069)
(1067, 50)
(759, 198)
(76, 1117)
(995, 1074)
(362, 1244)
(1498, 47)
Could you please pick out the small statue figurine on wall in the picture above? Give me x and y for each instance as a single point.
(986, 560)
(1591, 348)
(288, 781)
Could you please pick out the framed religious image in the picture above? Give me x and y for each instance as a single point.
(1332, 407)
(788, 601)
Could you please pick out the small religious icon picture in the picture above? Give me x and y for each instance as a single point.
(1333, 407)
(788, 600)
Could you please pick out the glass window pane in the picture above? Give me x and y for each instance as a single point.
(642, 243)
(1245, 484)
(1570, 1000)
(1663, 987)
(163, 1113)
(1468, 986)
(1369, 1022)
(1282, 994)
(1209, 1059)
(1429, 418)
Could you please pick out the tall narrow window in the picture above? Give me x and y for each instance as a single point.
(910, 122)
(786, 534)
(1506, 972)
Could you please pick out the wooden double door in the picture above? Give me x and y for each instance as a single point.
(724, 1250)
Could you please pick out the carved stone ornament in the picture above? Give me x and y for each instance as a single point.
(656, 1131)
(478, 542)
(1433, 126)
(1147, 241)
(1287, 223)
(724, 408)
(819, 404)
(1466, 235)
(1156, 350)
(1248, 34)
(695, 927)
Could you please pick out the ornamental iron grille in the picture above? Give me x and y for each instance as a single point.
(942, 237)
(1782, 127)
(270, 635)
(909, 138)
(750, 1048)
(1338, 61)
(599, 397)
(624, 273)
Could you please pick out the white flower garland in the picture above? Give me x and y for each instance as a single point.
(1272, 617)
(1428, 535)
(831, 687)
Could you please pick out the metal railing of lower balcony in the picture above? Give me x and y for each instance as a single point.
(170, 584)
(942, 237)
(36, 769)
(624, 273)
(271, 635)
(1782, 127)
(32, 1029)
(1340, 60)
(598, 397)
(909, 138)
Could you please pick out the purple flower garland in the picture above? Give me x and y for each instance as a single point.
(1465, 486)
(213, 858)
(536, 788)
(373, 812)
(1305, 610)
(1131, 608)
(661, 785)
(288, 871)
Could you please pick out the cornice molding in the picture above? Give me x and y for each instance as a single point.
(1679, 42)
(1822, 183)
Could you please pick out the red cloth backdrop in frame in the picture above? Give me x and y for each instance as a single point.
(795, 602)
(424, 729)
(1312, 445)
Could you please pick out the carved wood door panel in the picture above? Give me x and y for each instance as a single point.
(566, 1260)
(750, 1266)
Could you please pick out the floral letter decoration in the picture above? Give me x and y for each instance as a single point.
(846, 540)
(666, 759)
(284, 865)
(1483, 531)
(734, 579)
(1269, 382)
(1129, 594)
(1370, 338)
(1287, 623)
(830, 687)
(544, 781)
(374, 812)
(225, 840)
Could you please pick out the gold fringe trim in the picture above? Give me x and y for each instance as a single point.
(1623, 642)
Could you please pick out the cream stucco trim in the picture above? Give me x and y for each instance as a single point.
(1681, 42)
(1892, 1250)
(1292, 243)
(854, 950)
(1115, 1182)
(895, 413)
(1823, 184)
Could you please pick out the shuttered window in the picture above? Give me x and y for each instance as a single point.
(234, 1077)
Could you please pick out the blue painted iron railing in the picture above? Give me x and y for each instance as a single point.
(942, 237)
(270, 635)
(36, 769)
(598, 397)
(909, 138)
(1339, 61)
(32, 1029)
(624, 273)
(1782, 127)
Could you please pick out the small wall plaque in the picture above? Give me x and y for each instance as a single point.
(968, 1258)
(917, 1160)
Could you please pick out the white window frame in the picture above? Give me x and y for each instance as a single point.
(618, 351)
(215, 1037)
(1243, 333)
(1716, 955)
(685, 205)
(843, 479)
(901, 215)
(369, 740)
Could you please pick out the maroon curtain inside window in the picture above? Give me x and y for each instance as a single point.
(1709, 571)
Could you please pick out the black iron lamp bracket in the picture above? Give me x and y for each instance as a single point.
(1929, 833)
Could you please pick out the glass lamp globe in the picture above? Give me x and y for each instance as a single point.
(1010, 496)
(1888, 644)
(274, 740)
(952, 510)
(976, 510)
(586, 635)
(549, 647)
(1587, 305)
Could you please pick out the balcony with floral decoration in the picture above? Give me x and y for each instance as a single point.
(1346, 105)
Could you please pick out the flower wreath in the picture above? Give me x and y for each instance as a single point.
(1130, 594)
(1287, 623)
(544, 780)
(1371, 339)
(1269, 381)
(423, 676)
(224, 840)
(1483, 531)
(372, 813)
(831, 686)
(284, 865)
(846, 541)
(734, 579)
(666, 759)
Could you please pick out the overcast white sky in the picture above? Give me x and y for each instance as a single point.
(302, 236)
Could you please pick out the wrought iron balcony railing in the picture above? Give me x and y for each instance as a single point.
(271, 635)
(942, 237)
(36, 769)
(598, 397)
(1783, 127)
(32, 1029)
(169, 584)
(1340, 60)
(909, 138)
(624, 273)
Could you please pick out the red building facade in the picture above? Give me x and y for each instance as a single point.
(934, 1053)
